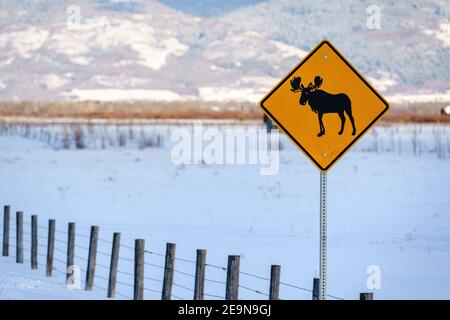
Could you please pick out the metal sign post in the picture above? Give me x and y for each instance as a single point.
(323, 237)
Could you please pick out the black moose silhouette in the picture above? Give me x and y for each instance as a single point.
(323, 102)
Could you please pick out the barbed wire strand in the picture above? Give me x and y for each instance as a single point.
(216, 267)
(154, 265)
(184, 273)
(154, 253)
(177, 297)
(215, 281)
(214, 296)
(152, 290)
(253, 290)
(182, 287)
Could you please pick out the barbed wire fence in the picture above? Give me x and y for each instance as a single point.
(124, 271)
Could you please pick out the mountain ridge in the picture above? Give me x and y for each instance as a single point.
(130, 49)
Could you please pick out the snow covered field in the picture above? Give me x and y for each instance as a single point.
(388, 207)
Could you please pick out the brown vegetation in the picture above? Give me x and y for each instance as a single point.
(412, 117)
(176, 110)
(137, 110)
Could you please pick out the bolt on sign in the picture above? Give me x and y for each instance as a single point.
(324, 105)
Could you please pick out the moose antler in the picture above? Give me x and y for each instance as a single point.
(317, 82)
(296, 84)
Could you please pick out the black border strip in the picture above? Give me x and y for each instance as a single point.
(261, 104)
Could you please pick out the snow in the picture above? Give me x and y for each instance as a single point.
(6, 62)
(420, 98)
(230, 94)
(243, 48)
(152, 46)
(118, 81)
(265, 82)
(17, 281)
(383, 82)
(387, 207)
(81, 60)
(51, 81)
(113, 94)
(442, 34)
(26, 41)
(287, 51)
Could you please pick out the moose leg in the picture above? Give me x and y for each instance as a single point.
(350, 116)
(322, 128)
(341, 115)
(353, 124)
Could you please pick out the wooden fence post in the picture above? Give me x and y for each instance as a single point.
(168, 272)
(6, 213)
(366, 296)
(92, 259)
(315, 291)
(19, 237)
(70, 251)
(34, 242)
(139, 249)
(114, 264)
(232, 286)
(200, 267)
(50, 247)
(275, 271)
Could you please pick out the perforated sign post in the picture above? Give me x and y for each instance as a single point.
(324, 106)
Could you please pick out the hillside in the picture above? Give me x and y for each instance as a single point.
(136, 50)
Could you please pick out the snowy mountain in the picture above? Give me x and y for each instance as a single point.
(237, 50)
(411, 49)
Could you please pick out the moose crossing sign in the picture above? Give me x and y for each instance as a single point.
(324, 105)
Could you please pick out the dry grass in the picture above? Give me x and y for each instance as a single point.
(138, 110)
(179, 110)
(412, 117)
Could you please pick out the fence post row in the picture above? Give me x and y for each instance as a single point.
(90, 273)
(114, 265)
(6, 213)
(315, 292)
(70, 253)
(50, 247)
(168, 272)
(275, 271)
(232, 286)
(139, 247)
(19, 237)
(233, 267)
(34, 242)
(200, 268)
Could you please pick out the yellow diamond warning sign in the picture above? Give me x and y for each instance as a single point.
(324, 105)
